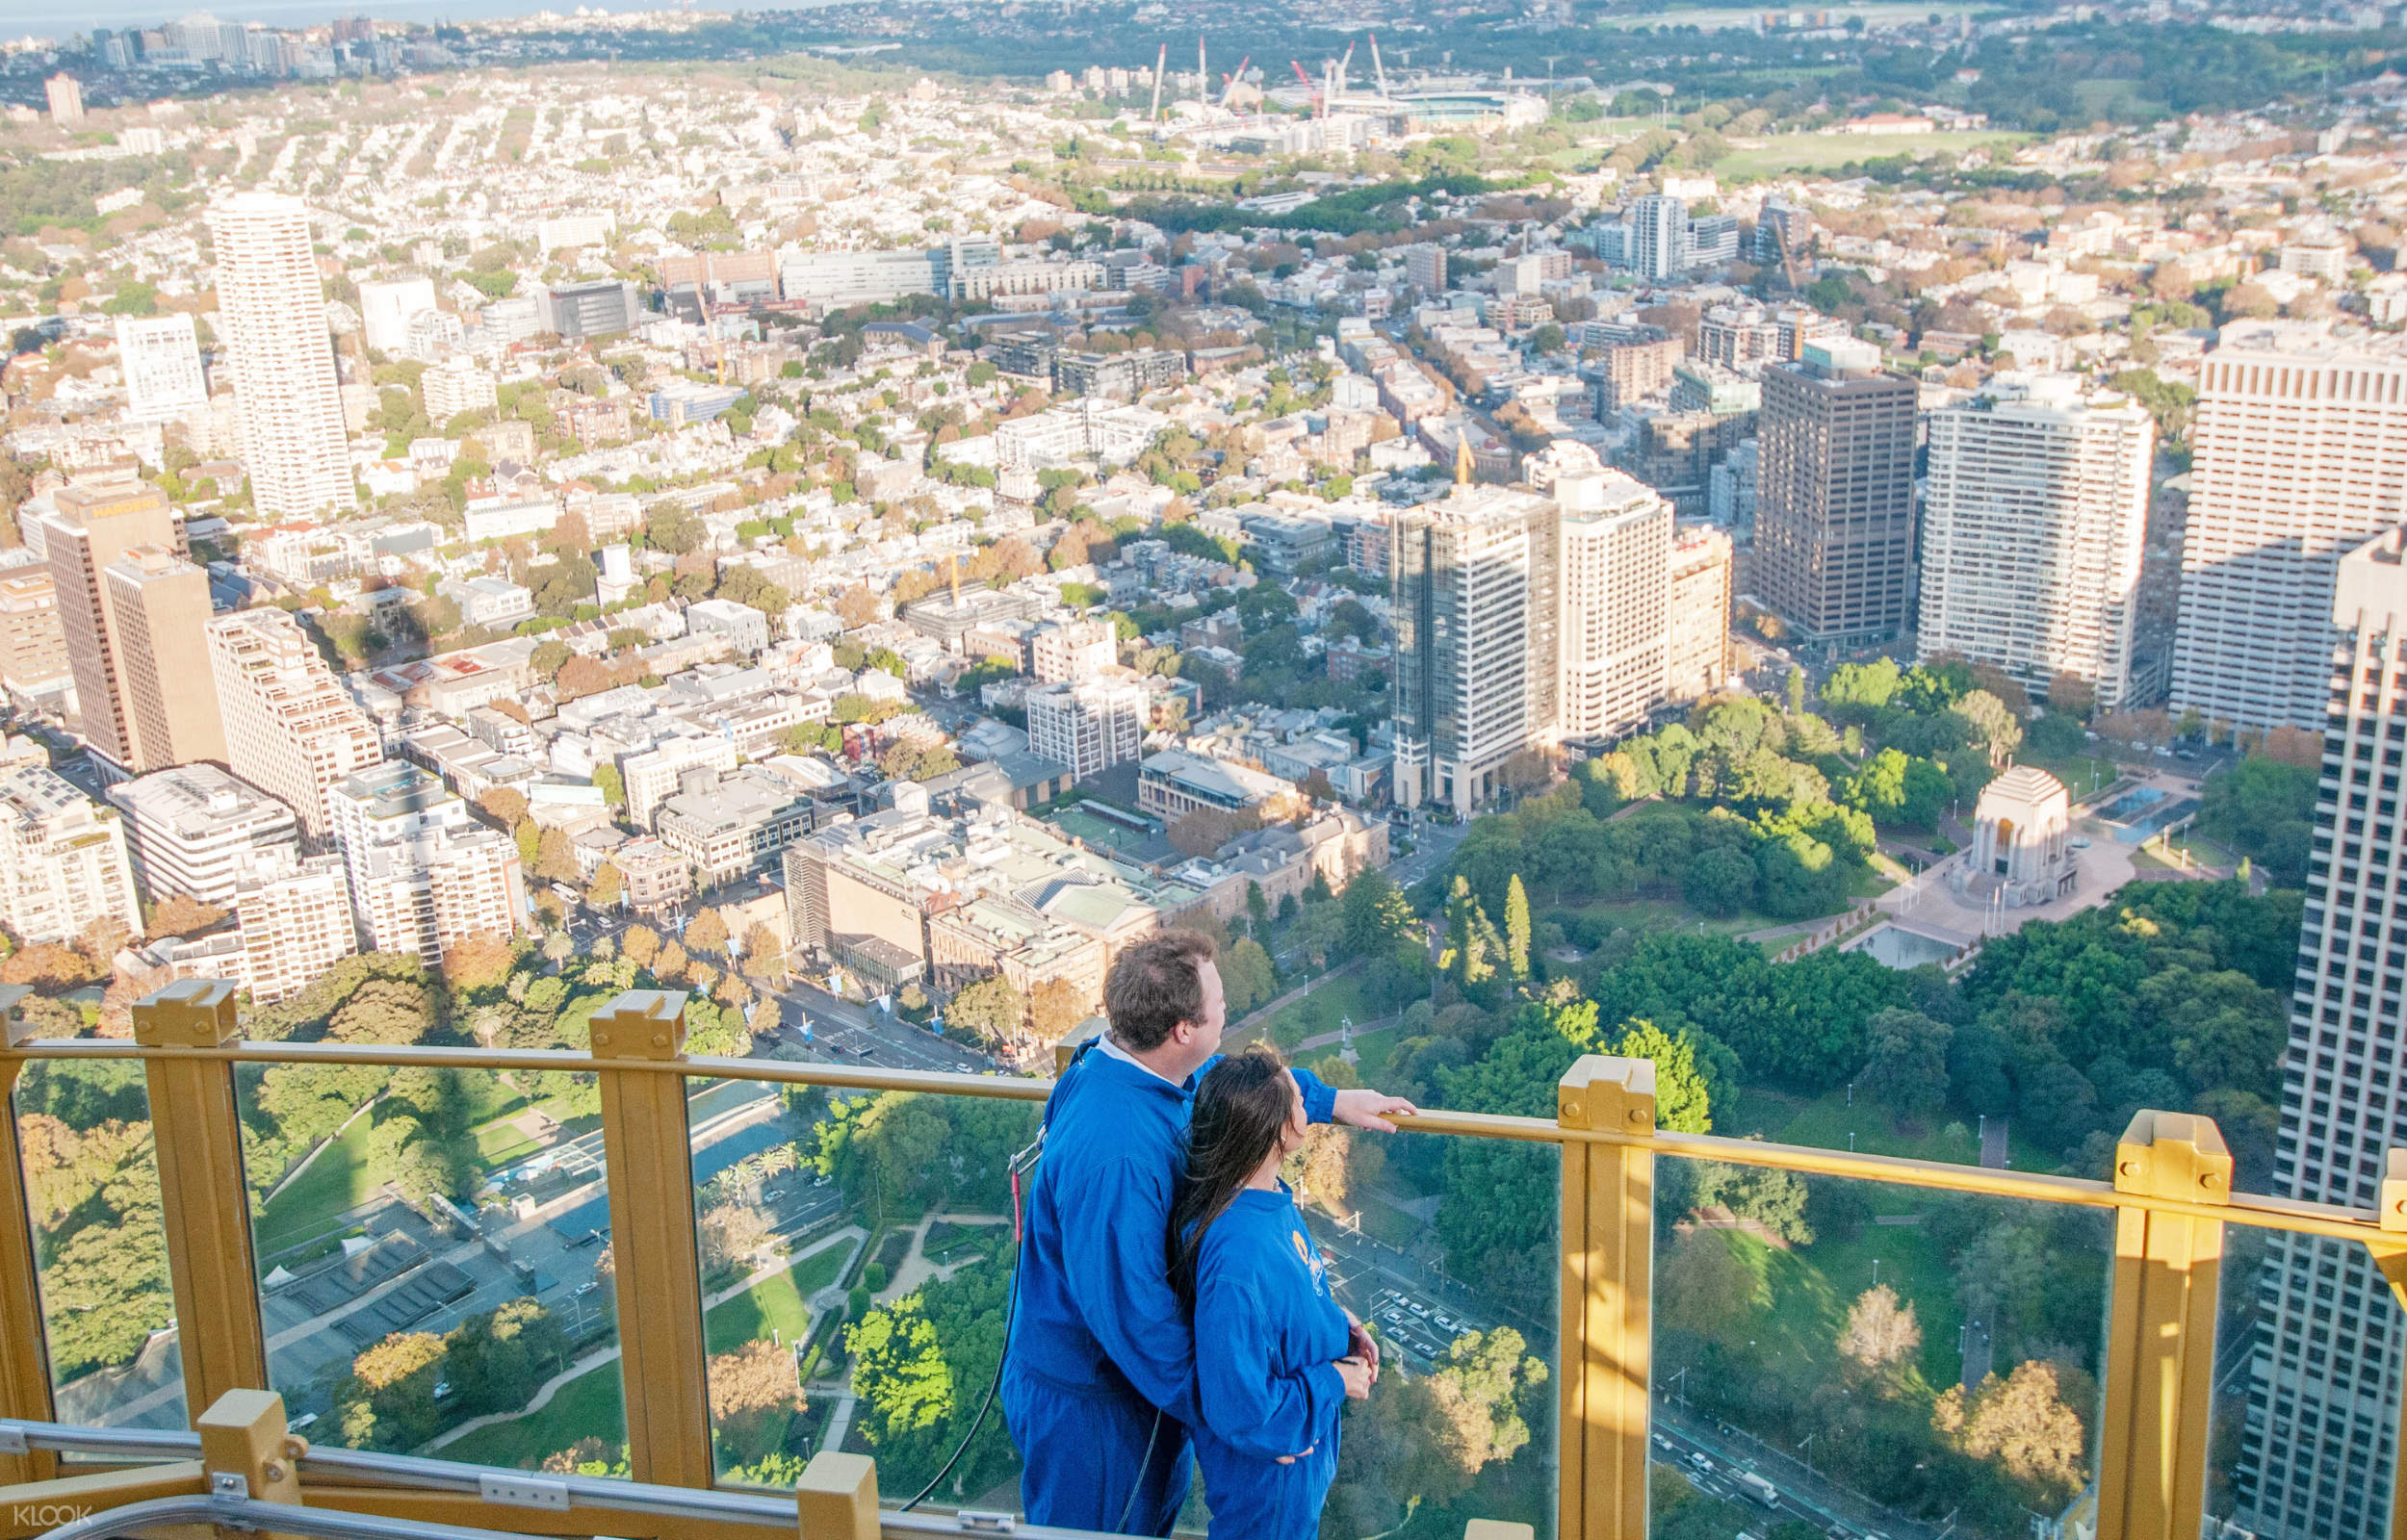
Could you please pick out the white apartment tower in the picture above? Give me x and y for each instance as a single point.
(294, 915)
(2319, 1441)
(425, 874)
(2301, 441)
(272, 311)
(1616, 597)
(1089, 725)
(197, 830)
(1475, 613)
(1079, 650)
(2034, 519)
(1658, 238)
(290, 729)
(63, 859)
(160, 358)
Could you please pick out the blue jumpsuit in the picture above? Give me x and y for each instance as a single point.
(1098, 1338)
(1266, 1334)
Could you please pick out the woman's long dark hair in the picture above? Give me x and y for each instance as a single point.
(1240, 1111)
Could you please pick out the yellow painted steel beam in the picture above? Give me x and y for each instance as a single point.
(2159, 1366)
(1608, 1268)
(24, 1357)
(199, 1141)
(2389, 1254)
(650, 1153)
(36, 1507)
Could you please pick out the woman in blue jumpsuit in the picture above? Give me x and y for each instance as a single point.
(1270, 1343)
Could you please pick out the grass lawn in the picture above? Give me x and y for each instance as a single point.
(773, 1304)
(1371, 1051)
(336, 1181)
(1826, 1123)
(1319, 1011)
(592, 1405)
(1828, 152)
(2081, 773)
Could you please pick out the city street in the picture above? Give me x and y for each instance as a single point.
(845, 1032)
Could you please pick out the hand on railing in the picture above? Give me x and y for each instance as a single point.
(1371, 1109)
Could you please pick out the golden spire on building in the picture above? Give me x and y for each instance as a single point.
(1463, 474)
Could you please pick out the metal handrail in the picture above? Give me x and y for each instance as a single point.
(2259, 1209)
(358, 1468)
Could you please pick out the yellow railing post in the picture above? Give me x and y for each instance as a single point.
(24, 1360)
(837, 1497)
(650, 1153)
(243, 1433)
(199, 1139)
(1608, 1268)
(1076, 1038)
(2160, 1369)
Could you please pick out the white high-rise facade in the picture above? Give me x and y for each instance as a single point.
(425, 874)
(1616, 628)
(64, 865)
(387, 307)
(296, 921)
(160, 358)
(2034, 519)
(1089, 725)
(2319, 1441)
(1658, 238)
(291, 729)
(271, 310)
(2301, 441)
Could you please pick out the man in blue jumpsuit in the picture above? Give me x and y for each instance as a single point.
(1099, 1379)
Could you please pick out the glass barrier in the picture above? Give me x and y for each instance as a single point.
(1869, 1360)
(93, 1183)
(2306, 1409)
(434, 1262)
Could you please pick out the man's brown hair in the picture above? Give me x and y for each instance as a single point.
(1155, 985)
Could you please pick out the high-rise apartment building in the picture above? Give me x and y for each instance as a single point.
(1657, 241)
(425, 874)
(2034, 521)
(196, 831)
(2319, 1440)
(67, 99)
(271, 313)
(1424, 268)
(653, 777)
(1089, 725)
(2301, 441)
(295, 916)
(1476, 610)
(157, 608)
(33, 647)
(92, 524)
(1697, 653)
(160, 358)
(1834, 506)
(1615, 545)
(291, 729)
(63, 860)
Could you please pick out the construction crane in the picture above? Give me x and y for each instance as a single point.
(1313, 90)
(1341, 69)
(1154, 114)
(1786, 239)
(1379, 68)
(1202, 79)
(1236, 79)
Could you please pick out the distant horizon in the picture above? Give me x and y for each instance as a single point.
(296, 14)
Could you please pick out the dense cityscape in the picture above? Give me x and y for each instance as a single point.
(1853, 554)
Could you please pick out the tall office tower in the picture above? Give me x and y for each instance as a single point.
(2320, 1437)
(1696, 656)
(1658, 239)
(94, 523)
(160, 357)
(1834, 502)
(67, 100)
(197, 829)
(33, 647)
(1616, 552)
(272, 311)
(158, 606)
(294, 915)
(1089, 725)
(1424, 268)
(2301, 443)
(291, 729)
(1476, 612)
(386, 308)
(2034, 521)
(425, 874)
(63, 860)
